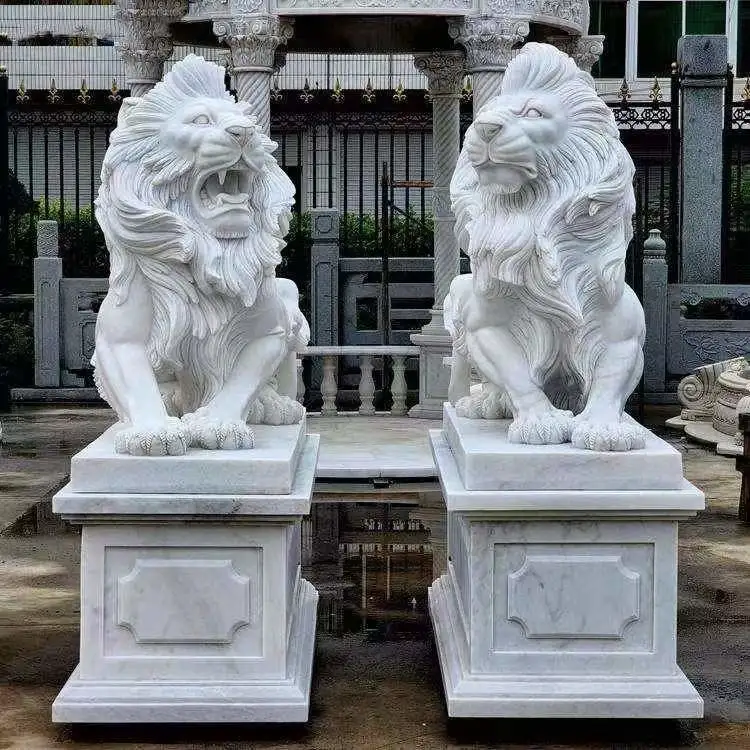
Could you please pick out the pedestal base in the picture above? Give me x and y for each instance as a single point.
(227, 701)
(560, 602)
(540, 696)
(435, 345)
(193, 608)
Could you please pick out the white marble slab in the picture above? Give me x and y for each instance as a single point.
(267, 469)
(80, 506)
(685, 500)
(142, 701)
(518, 695)
(487, 461)
(358, 447)
(560, 602)
(193, 608)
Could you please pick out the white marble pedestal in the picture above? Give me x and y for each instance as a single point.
(192, 604)
(560, 598)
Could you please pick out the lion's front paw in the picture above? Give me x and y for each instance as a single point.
(272, 408)
(486, 404)
(546, 428)
(168, 439)
(607, 436)
(216, 434)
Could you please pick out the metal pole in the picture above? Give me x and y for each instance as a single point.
(726, 178)
(674, 258)
(385, 252)
(4, 183)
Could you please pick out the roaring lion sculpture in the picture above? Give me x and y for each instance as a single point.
(196, 335)
(543, 199)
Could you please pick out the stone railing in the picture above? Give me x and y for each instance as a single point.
(329, 389)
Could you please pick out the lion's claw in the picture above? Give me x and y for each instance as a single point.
(548, 428)
(211, 433)
(486, 404)
(607, 436)
(273, 408)
(169, 439)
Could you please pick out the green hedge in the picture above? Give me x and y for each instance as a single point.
(16, 350)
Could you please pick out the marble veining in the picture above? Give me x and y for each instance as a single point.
(573, 596)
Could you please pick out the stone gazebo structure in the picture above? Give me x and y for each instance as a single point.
(257, 34)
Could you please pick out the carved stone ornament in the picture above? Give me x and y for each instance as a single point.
(573, 13)
(543, 198)
(488, 40)
(147, 41)
(253, 40)
(215, 8)
(362, 6)
(195, 326)
(445, 72)
(585, 50)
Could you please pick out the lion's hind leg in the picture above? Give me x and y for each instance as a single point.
(485, 401)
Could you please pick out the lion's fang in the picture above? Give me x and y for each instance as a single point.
(222, 176)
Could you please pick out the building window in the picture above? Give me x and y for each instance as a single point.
(608, 18)
(662, 22)
(708, 17)
(743, 38)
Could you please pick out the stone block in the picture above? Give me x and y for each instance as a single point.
(325, 225)
(487, 461)
(699, 56)
(268, 469)
(193, 608)
(560, 603)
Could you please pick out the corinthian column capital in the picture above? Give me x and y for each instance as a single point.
(488, 40)
(445, 71)
(147, 41)
(253, 40)
(585, 50)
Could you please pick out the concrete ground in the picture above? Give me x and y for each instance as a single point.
(367, 693)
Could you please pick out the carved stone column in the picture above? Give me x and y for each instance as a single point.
(445, 72)
(488, 41)
(147, 40)
(585, 50)
(253, 42)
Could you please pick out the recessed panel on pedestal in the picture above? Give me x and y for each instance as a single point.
(573, 596)
(183, 600)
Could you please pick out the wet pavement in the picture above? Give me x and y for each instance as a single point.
(376, 683)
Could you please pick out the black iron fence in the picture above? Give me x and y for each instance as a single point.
(736, 192)
(334, 148)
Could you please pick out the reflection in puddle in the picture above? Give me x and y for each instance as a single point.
(372, 564)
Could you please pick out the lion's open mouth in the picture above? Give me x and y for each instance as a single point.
(227, 187)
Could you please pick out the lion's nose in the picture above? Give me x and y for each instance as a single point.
(240, 132)
(487, 130)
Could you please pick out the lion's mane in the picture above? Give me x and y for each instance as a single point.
(559, 243)
(199, 283)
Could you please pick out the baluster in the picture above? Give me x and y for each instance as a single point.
(328, 388)
(366, 386)
(398, 386)
(300, 382)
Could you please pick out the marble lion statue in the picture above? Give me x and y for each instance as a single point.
(196, 336)
(543, 199)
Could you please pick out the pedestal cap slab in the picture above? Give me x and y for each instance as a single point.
(267, 469)
(683, 500)
(231, 502)
(487, 461)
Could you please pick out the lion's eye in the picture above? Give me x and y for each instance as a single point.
(533, 113)
(201, 120)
